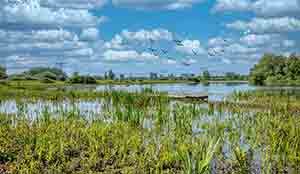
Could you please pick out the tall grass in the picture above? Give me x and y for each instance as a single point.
(146, 132)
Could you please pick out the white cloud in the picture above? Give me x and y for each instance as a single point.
(259, 40)
(128, 55)
(250, 48)
(76, 4)
(42, 32)
(227, 61)
(276, 8)
(232, 5)
(266, 8)
(117, 42)
(36, 36)
(32, 14)
(288, 43)
(190, 46)
(169, 62)
(145, 35)
(218, 41)
(272, 25)
(141, 37)
(190, 61)
(89, 34)
(156, 4)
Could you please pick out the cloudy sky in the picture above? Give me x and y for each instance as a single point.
(137, 36)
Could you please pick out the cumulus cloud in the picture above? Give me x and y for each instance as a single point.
(232, 5)
(218, 41)
(42, 32)
(7, 36)
(169, 62)
(75, 4)
(126, 38)
(265, 8)
(288, 43)
(127, 55)
(156, 4)
(250, 48)
(191, 46)
(31, 14)
(145, 35)
(271, 25)
(260, 40)
(89, 34)
(117, 42)
(276, 8)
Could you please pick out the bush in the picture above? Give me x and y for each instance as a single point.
(21, 77)
(51, 73)
(47, 75)
(3, 74)
(47, 80)
(79, 79)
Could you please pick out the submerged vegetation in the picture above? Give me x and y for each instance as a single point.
(47, 130)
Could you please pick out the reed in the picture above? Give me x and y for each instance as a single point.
(57, 131)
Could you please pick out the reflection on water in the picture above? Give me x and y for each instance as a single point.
(88, 109)
(216, 91)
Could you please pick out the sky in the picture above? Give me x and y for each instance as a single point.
(139, 36)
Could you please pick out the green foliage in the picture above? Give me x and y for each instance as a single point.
(206, 75)
(82, 79)
(3, 74)
(276, 70)
(44, 72)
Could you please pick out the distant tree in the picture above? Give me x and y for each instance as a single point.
(153, 76)
(233, 76)
(53, 73)
(105, 76)
(206, 75)
(80, 79)
(122, 77)
(3, 74)
(111, 75)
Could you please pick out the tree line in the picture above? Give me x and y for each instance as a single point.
(276, 70)
(49, 75)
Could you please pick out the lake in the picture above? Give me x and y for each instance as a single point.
(216, 91)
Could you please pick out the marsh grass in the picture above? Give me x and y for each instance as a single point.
(179, 137)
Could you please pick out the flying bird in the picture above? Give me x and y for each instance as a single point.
(164, 51)
(178, 42)
(152, 49)
(195, 53)
(211, 54)
(186, 63)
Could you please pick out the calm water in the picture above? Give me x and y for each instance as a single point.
(216, 92)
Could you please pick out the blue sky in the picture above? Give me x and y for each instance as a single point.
(93, 36)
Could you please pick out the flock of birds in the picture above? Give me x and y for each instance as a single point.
(156, 51)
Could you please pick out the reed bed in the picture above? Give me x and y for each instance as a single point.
(146, 132)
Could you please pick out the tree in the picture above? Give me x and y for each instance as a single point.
(206, 75)
(153, 76)
(80, 79)
(122, 77)
(111, 75)
(55, 73)
(276, 69)
(3, 74)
